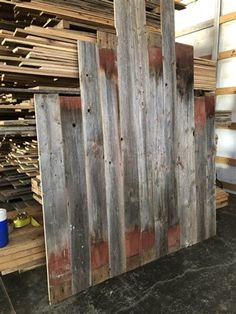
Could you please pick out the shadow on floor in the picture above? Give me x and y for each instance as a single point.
(199, 279)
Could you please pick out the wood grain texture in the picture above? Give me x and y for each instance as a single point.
(94, 158)
(134, 104)
(169, 98)
(157, 157)
(75, 190)
(210, 220)
(56, 216)
(185, 146)
(108, 85)
(201, 165)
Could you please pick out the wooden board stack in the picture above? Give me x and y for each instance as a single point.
(204, 74)
(17, 119)
(222, 198)
(39, 38)
(36, 188)
(26, 248)
(223, 118)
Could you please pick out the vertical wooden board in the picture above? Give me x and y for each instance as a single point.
(56, 216)
(108, 83)
(73, 142)
(169, 95)
(201, 165)
(185, 146)
(94, 160)
(210, 221)
(157, 159)
(133, 73)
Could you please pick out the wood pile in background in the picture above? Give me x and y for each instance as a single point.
(39, 38)
(204, 74)
(222, 198)
(223, 118)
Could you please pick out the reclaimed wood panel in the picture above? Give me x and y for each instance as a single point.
(125, 159)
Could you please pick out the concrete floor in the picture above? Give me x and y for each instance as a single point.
(200, 279)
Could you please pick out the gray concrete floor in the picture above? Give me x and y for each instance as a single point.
(199, 279)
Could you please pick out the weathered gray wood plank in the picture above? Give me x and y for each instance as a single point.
(134, 95)
(185, 146)
(169, 95)
(56, 216)
(94, 160)
(210, 221)
(201, 165)
(73, 141)
(157, 159)
(108, 84)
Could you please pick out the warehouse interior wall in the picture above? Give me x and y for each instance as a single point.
(203, 44)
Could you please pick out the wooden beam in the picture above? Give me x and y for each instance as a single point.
(225, 91)
(228, 18)
(226, 161)
(229, 186)
(227, 54)
(195, 28)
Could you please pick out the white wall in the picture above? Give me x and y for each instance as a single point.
(200, 11)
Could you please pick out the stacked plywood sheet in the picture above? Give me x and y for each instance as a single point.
(26, 245)
(204, 74)
(222, 198)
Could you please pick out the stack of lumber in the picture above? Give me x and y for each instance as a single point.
(36, 188)
(24, 157)
(204, 74)
(222, 198)
(26, 248)
(17, 119)
(13, 185)
(39, 38)
(223, 118)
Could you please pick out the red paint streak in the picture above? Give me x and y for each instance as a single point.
(99, 254)
(70, 102)
(148, 239)
(59, 266)
(107, 58)
(200, 112)
(155, 59)
(184, 55)
(174, 236)
(210, 105)
(133, 242)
